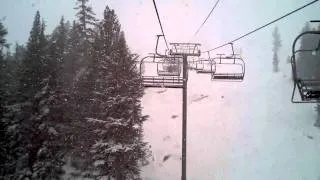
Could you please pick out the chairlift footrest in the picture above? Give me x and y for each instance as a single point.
(162, 81)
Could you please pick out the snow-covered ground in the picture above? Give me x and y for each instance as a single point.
(236, 131)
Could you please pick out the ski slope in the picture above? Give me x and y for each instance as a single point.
(236, 131)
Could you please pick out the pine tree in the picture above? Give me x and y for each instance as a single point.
(74, 56)
(86, 23)
(3, 70)
(127, 94)
(58, 46)
(31, 127)
(115, 110)
(79, 62)
(276, 46)
(10, 146)
(20, 51)
(79, 95)
(3, 63)
(33, 66)
(3, 41)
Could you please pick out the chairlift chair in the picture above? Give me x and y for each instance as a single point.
(228, 62)
(206, 66)
(308, 87)
(161, 80)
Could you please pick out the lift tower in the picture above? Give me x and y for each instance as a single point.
(168, 76)
(184, 50)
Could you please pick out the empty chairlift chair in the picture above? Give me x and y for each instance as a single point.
(305, 64)
(167, 76)
(206, 66)
(228, 68)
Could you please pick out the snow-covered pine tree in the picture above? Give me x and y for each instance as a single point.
(32, 71)
(275, 49)
(126, 96)
(61, 76)
(6, 61)
(20, 51)
(79, 60)
(116, 111)
(87, 21)
(73, 56)
(33, 149)
(57, 50)
(9, 133)
(85, 25)
(3, 139)
(3, 41)
(3, 64)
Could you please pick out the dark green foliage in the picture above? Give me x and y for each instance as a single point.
(20, 52)
(57, 50)
(33, 150)
(3, 63)
(3, 41)
(8, 115)
(110, 103)
(86, 21)
(74, 93)
(34, 65)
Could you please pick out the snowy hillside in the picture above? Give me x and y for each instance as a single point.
(236, 131)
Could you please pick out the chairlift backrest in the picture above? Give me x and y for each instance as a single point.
(170, 66)
(305, 67)
(205, 66)
(157, 81)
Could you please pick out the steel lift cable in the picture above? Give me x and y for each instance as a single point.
(215, 5)
(261, 27)
(155, 7)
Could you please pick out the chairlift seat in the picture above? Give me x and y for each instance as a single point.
(169, 68)
(164, 81)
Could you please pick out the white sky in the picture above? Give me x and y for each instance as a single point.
(180, 19)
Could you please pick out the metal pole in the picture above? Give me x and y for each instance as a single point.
(184, 119)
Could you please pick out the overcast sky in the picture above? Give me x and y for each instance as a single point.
(180, 19)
